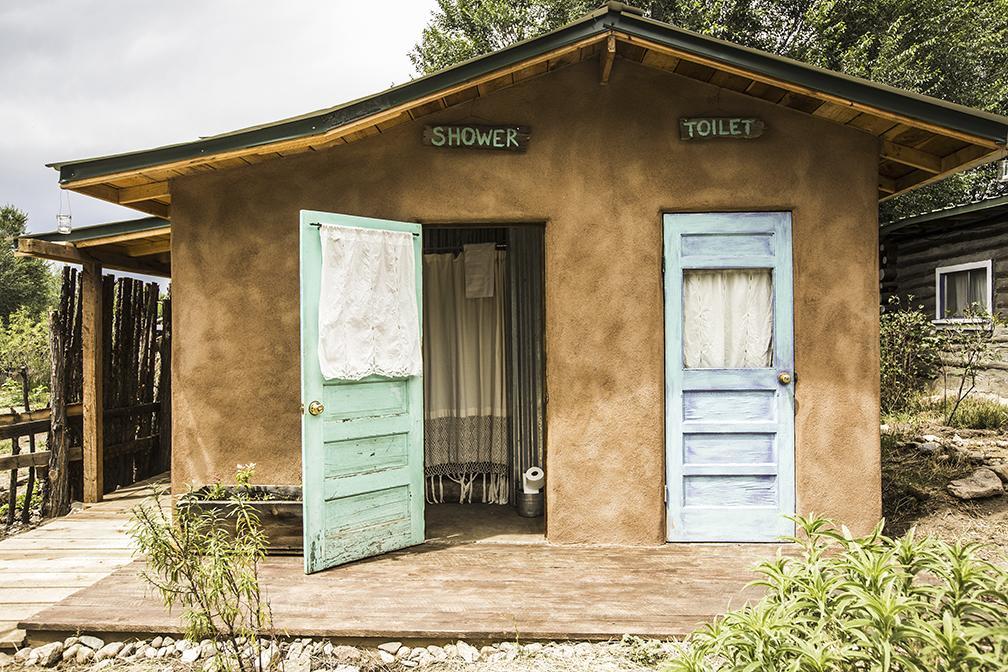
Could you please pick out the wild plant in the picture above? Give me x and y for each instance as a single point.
(866, 604)
(208, 564)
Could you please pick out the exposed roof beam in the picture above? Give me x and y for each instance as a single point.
(909, 156)
(607, 56)
(153, 247)
(886, 184)
(123, 237)
(143, 192)
(31, 247)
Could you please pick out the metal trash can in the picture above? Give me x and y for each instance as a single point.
(530, 504)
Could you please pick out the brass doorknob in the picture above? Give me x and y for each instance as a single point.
(784, 378)
(316, 408)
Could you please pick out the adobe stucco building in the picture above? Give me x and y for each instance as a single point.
(705, 313)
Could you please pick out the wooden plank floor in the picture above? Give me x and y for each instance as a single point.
(47, 564)
(478, 591)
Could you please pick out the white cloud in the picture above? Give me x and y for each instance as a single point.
(82, 78)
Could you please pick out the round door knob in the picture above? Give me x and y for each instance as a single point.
(784, 378)
(316, 408)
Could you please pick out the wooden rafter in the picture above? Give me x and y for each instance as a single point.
(607, 57)
(909, 156)
(70, 254)
(144, 192)
(123, 237)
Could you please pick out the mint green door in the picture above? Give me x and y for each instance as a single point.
(362, 454)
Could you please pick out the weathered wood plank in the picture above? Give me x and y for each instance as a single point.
(94, 352)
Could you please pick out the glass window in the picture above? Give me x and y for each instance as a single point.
(962, 287)
(728, 318)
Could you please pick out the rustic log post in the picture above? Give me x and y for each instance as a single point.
(12, 492)
(164, 387)
(58, 500)
(30, 486)
(94, 400)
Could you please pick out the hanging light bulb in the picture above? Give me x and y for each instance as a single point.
(64, 219)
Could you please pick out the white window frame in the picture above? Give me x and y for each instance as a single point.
(969, 266)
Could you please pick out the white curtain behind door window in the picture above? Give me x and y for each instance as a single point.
(465, 403)
(368, 318)
(728, 318)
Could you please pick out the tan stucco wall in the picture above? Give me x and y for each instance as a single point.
(604, 162)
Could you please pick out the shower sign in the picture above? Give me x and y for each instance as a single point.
(704, 128)
(503, 138)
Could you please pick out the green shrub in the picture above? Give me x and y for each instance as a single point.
(864, 604)
(973, 413)
(210, 567)
(910, 349)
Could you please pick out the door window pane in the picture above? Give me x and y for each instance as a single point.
(961, 290)
(728, 318)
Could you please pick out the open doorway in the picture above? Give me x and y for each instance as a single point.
(484, 381)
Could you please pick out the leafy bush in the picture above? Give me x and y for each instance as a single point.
(966, 347)
(864, 604)
(24, 342)
(210, 567)
(910, 349)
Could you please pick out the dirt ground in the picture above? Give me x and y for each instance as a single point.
(915, 476)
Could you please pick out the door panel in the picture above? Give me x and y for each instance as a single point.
(728, 336)
(362, 457)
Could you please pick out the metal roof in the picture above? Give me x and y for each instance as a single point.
(101, 230)
(614, 16)
(991, 205)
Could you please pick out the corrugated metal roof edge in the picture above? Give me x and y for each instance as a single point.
(614, 16)
(100, 230)
(995, 205)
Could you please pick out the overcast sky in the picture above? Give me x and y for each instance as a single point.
(84, 78)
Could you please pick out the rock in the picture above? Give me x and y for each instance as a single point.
(450, 650)
(22, 654)
(976, 457)
(6, 660)
(84, 654)
(70, 652)
(294, 650)
(167, 641)
(93, 643)
(207, 649)
(510, 654)
(327, 649)
(343, 652)
(301, 663)
(1001, 470)
(386, 657)
(150, 652)
(930, 438)
(183, 645)
(126, 651)
(487, 650)
(978, 485)
(583, 648)
(268, 657)
(110, 650)
(102, 664)
(191, 655)
(469, 653)
(70, 641)
(929, 448)
(391, 647)
(534, 647)
(958, 439)
(507, 646)
(156, 642)
(437, 652)
(49, 654)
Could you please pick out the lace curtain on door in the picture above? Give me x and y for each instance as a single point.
(465, 399)
(728, 319)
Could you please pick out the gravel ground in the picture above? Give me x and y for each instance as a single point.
(163, 654)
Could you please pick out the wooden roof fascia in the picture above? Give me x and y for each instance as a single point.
(123, 237)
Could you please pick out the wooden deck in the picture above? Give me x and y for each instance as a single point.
(481, 577)
(45, 565)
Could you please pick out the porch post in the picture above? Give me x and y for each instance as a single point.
(93, 352)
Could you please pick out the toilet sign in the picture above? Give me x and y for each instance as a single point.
(705, 128)
(503, 138)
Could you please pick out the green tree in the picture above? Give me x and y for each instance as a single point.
(24, 282)
(949, 49)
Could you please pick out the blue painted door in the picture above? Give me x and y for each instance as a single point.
(361, 441)
(729, 390)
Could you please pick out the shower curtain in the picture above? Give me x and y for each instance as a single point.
(465, 399)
